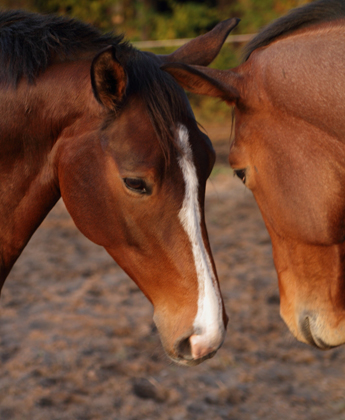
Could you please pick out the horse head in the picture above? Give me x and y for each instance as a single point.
(289, 150)
(132, 172)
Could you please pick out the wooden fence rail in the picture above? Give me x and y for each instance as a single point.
(232, 39)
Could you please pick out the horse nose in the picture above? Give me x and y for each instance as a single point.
(306, 328)
(199, 347)
(202, 346)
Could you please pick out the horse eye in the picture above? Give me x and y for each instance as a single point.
(241, 174)
(135, 184)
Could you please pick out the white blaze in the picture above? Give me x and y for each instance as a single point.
(208, 323)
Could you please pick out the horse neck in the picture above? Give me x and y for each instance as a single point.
(34, 117)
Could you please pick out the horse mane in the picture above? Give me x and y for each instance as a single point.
(30, 42)
(310, 14)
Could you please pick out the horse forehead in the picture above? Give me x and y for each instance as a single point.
(301, 75)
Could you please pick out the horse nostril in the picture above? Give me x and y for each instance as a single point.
(184, 350)
(305, 328)
(313, 340)
(198, 347)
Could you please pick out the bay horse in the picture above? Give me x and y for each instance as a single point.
(289, 150)
(87, 117)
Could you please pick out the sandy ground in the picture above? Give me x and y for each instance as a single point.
(77, 340)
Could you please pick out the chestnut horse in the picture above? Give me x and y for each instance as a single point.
(289, 150)
(88, 118)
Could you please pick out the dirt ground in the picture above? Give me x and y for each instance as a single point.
(77, 340)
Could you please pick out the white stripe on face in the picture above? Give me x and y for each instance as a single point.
(208, 323)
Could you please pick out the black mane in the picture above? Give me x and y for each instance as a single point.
(310, 14)
(30, 42)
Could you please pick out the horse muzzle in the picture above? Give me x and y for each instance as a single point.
(309, 333)
(192, 346)
(316, 331)
(196, 348)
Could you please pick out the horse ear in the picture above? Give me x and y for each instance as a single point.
(203, 49)
(108, 78)
(222, 84)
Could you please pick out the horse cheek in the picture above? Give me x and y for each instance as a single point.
(90, 199)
